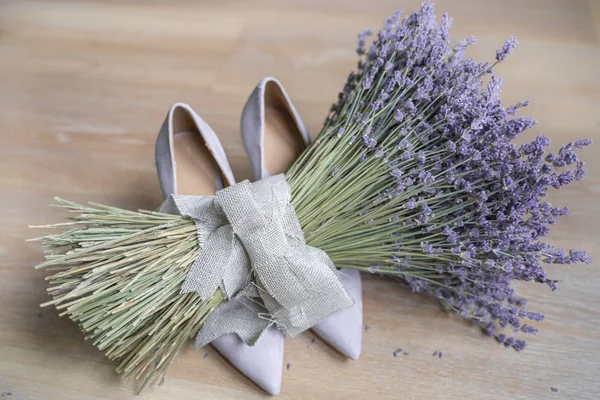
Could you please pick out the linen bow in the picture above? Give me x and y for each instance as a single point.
(253, 250)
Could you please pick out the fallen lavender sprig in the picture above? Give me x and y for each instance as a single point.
(415, 176)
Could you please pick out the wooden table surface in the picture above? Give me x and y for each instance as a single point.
(84, 87)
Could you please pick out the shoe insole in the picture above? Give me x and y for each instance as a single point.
(196, 168)
(283, 142)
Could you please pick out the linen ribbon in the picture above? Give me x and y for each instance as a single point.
(253, 250)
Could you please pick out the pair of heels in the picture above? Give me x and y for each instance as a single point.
(191, 160)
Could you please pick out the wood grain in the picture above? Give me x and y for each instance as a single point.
(84, 87)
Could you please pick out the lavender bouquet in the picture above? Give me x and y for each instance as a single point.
(413, 176)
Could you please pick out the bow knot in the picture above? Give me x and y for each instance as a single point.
(253, 250)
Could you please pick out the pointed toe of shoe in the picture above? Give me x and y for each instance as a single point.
(343, 330)
(261, 363)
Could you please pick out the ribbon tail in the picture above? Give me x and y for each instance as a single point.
(326, 294)
(240, 316)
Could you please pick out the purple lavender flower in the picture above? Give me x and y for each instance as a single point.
(580, 144)
(427, 248)
(369, 142)
(463, 44)
(508, 48)
(398, 115)
(362, 40)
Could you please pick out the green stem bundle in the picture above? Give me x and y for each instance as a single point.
(118, 274)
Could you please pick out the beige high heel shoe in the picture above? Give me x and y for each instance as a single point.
(274, 135)
(189, 157)
(190, 160)
(273, 132)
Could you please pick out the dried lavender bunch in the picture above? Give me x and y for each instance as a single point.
(414, 175)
